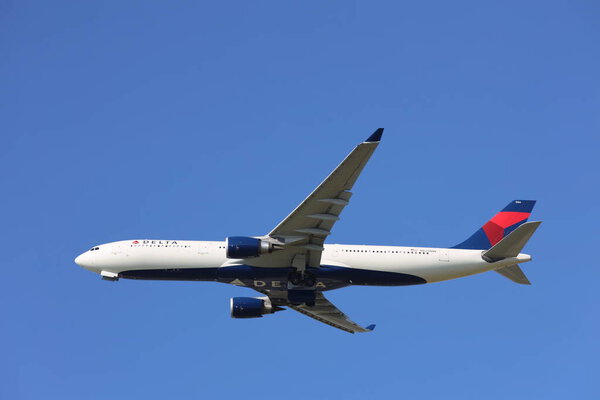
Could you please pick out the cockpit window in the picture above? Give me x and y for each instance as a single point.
(95, 248)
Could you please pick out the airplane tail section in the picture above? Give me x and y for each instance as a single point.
(510, 247)
(500, 226)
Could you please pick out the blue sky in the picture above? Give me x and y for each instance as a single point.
(201, 120)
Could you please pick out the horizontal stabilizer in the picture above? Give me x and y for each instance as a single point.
(514, 273)
(512, 244)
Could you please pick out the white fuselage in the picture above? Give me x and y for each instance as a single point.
(430, 264)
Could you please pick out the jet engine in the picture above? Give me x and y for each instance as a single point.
(252, 307)
(244, 247)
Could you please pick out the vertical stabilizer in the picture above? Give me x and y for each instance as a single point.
(510, 218)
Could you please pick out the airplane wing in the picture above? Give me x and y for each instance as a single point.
(304, 231)
(324, 311)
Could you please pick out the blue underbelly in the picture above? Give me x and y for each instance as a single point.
(328, 276)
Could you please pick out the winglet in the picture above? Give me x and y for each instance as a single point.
(370, 327)
(376, 136)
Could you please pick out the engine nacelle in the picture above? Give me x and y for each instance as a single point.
(251, 307)
(245, 247)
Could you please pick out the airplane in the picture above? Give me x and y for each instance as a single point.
(291, 266)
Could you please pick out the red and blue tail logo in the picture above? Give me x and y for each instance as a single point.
(503, 223)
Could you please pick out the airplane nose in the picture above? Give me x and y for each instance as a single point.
(83, 260)
(78, 260)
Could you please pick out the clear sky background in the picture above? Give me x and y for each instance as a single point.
(201, 120)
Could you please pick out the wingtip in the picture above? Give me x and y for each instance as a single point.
(370, 327)
(376, 136)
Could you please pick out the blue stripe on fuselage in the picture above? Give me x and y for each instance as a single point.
(356, 276)
(328, 276)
